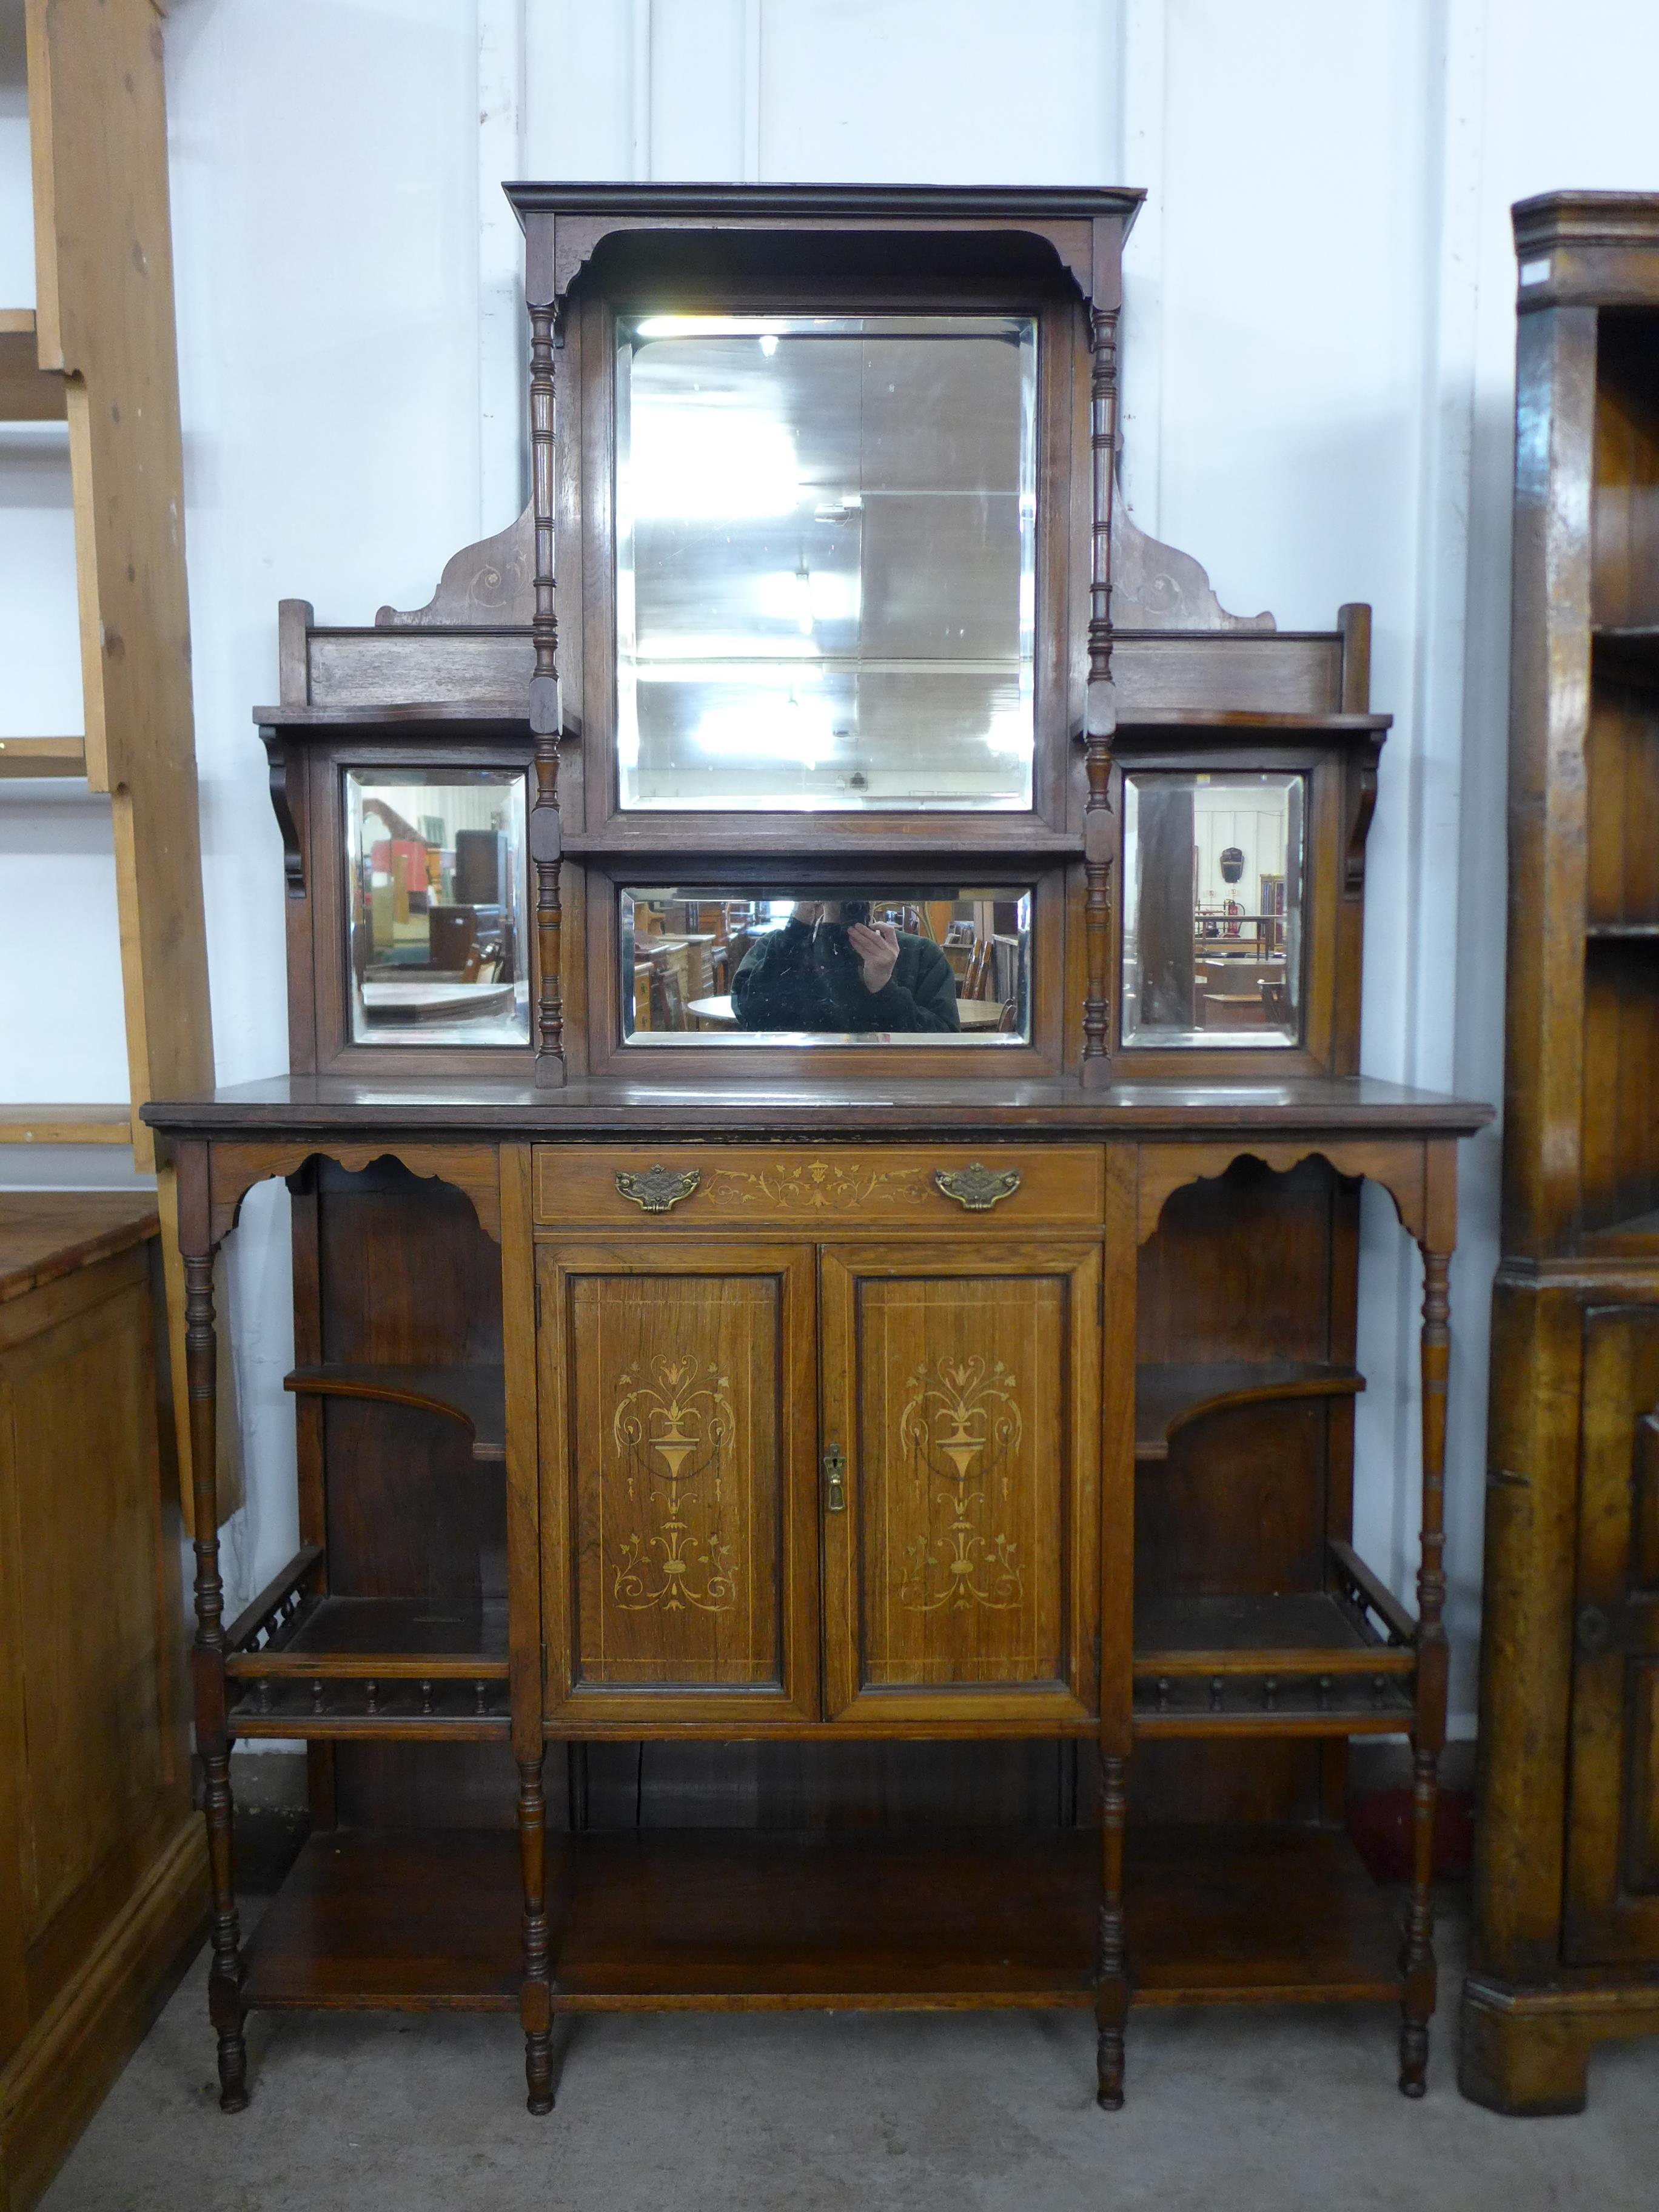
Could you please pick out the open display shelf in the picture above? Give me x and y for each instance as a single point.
(650, 1920)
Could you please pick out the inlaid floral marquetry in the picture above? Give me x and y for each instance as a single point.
(962, 1411)
(674, 1442)
(673, 1430)
(816, 1186)
(961, 1427)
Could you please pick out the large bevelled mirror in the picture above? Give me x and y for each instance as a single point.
(934, 965)
(826, 567)
(1212, 904)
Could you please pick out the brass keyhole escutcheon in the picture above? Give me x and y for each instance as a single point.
(835, 1470)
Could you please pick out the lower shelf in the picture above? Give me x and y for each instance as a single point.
(717, 1919)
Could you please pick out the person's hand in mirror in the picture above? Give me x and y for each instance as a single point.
(877, 949)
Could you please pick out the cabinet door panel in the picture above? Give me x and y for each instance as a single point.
(963, 1386)
(1613, 1843)
(678, 1449)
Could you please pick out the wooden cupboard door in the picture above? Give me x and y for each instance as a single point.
(679, 1562)
(1612, 1841)
(88, 1624)
(962, 1390)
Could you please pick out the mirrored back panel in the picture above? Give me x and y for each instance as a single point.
(436, 951)
(825, 561)
(830, 965)
(1213, 893)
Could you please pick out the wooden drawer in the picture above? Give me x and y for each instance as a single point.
(819, 1188)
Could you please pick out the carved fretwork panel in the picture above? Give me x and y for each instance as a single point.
(684, 1422)
(953, 1386)
(1613, 1836)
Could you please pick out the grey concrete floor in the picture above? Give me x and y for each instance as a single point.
(1259, 2111)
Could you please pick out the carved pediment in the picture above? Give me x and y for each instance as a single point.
(489, 585)
(1156, 587)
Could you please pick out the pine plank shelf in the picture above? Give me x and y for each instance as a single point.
(65, 1125)
(709, 1919)
(38, 757)
(1168, 1394)
(474, 1397)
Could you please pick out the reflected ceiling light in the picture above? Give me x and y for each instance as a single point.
(709, 326)
(808, 595)
(784, 727)
(691, 462)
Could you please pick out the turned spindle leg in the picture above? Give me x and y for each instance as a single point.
(1417, 2007)
(535, 2006)
(1111, 1977)
(225, 2007)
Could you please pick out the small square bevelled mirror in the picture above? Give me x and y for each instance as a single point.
(825, 561)
(1212, 907)
(435, 902)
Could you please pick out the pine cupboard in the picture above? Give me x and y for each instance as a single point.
(837, 1488)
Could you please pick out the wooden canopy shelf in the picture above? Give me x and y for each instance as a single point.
(1169, 1394)
(473, 1396)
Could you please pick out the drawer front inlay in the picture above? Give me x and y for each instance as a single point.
(705, 1187)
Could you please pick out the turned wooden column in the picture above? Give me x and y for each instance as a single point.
(213, 1738)
(1429, 1735)
(1111, 1976)
(1100, 705)
(535, 2001)
(544, 834)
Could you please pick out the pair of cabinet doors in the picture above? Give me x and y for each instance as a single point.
(786, 1483)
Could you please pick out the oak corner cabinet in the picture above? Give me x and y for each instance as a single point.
(825, 1140)
(1565, 1949)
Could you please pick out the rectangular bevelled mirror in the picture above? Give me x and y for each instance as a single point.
(840, 965)
(435, 902)
(1212, 905)
(825, 561)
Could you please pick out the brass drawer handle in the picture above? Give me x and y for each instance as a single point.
(659, 1188)
(835, 1469)
(977, 1188)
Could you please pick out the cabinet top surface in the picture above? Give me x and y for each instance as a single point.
(995, 202)
(46, 1233)
(824, 1110)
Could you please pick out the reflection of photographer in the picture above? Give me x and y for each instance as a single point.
(830, 968)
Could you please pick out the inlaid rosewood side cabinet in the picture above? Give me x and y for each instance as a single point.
(1566, 1934)
(826, 1138)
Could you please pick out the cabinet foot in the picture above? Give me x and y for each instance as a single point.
(538, 2073)
(226, 2014)
(1417, 2002)
(1108, 2067)
(1528, 2065)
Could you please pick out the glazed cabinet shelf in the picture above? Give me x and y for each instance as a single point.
(650, 1920)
